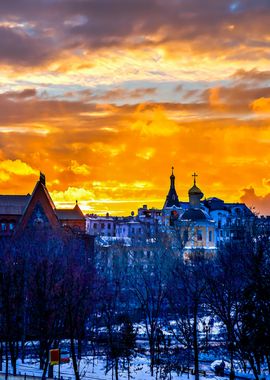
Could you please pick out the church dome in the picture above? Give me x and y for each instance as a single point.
(195, 191)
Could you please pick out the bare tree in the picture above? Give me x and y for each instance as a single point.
(149, 284)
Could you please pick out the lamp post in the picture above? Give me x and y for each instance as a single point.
(206, 330)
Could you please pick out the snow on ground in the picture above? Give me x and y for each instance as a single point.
(90, 369)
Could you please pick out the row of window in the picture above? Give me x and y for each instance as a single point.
(133, 230)
(102, 226)
(7, 226)
(119, 230)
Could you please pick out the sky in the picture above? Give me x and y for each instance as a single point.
(105, 96)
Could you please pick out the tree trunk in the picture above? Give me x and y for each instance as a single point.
(45, 367)
(13, 357)
(232, 373)
(79, 348)
(253, 366)
(6, 354)
(50, 372)
(116, 369)
(74, 360)
(152, 355)
(195, 345)
(1, 356)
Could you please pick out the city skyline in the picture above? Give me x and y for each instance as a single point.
(105, 96)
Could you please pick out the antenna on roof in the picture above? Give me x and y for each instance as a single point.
(42, 179)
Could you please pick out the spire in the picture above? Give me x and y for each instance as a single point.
(42, 178)
(172, 197)
(172, 178)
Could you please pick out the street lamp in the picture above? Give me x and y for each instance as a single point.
(206, 330)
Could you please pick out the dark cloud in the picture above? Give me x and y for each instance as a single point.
(253, 75)
(236, 98)
(26, 93)
(51, 27)
(19, 48)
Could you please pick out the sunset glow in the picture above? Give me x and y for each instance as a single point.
(104, 96)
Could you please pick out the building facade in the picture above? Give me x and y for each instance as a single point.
(21, 212)
(202, 224)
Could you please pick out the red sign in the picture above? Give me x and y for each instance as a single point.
(54, 356)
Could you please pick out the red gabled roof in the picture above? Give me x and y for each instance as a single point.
(41, 197)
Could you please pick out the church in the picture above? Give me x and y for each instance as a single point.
(204, 224)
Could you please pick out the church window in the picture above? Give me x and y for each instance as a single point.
(102, 225)
(11, 226)
(210, 235)
(199, 235)
(95, 225)
(219, 224)
(3, 226)
(109, 226)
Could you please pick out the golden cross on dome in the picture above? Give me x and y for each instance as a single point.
(172, 170)
(194, 175)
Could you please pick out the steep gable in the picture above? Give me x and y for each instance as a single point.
(40, 209)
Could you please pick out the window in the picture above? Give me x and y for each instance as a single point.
(3, 227)
(109, 226)
(219, 224)
(140, 230)
(95, 225)
(199, 235)
(11, 226)
(133, 230)
(185, 236)
(102, 225)
(210, 235)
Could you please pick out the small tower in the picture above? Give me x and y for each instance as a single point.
(195, 194)
(172, 197)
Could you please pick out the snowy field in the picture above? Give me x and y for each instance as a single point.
(90, 369)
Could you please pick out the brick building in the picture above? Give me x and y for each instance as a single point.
(18, 212)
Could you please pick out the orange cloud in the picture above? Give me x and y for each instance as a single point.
(261, 105)
(153, 121)
(15, 167)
